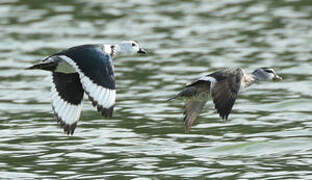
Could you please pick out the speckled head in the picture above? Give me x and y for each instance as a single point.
(266, 73)
(128, 48)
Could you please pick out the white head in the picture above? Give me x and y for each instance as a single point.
(128, 47)
(266, 74)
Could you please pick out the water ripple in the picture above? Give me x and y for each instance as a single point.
(267, 135)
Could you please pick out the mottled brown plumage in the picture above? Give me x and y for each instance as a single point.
(191, 111)
(223, 87)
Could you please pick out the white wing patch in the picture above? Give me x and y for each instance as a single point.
(102, 96)
(67, 112)
(211, 80)
(208, 78)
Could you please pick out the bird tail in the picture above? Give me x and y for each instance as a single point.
(187, 92)
(48, 66)
(173, 98)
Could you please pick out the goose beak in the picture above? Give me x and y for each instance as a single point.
(277, 77)
(142, 51)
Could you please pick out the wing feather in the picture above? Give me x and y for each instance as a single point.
(196, 96)
(225, 91)
(67, 94)
(191, 112)
(98, 81)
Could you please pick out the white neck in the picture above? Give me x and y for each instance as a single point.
(108, 49)
(248, 79)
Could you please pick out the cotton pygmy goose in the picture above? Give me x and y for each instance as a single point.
(222, 86)
(84, 69)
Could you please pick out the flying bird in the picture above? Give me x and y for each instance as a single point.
(223, 87)
(84, 69)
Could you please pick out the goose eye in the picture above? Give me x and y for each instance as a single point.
(268, 71)
(133, 44)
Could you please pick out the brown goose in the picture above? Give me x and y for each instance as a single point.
(223, 86)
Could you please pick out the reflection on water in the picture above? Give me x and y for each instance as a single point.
(269, 131)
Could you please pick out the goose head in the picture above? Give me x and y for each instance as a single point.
(128, 48)
(266, 73)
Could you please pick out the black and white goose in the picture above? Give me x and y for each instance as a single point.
(85, 68)
(223, 86)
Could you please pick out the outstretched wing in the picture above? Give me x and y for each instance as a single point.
(67, 94)
(225, 91)
(196, 95)
(95, 70)
(191, 111)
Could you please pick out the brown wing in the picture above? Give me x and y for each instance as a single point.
(191, 112)
(224, 93)
(197, 96)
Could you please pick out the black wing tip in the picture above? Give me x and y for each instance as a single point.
(106, 112)
(69, 129)
(224, 116)
(225, 113)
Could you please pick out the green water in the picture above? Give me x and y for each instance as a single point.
(268, 135)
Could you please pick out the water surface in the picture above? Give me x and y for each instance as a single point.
(268, 135)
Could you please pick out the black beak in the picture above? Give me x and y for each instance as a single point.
(278, 78)
(141, 51)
